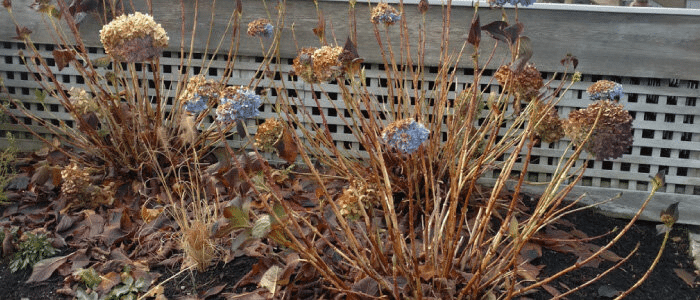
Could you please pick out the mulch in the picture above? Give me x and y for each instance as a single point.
(664, 283)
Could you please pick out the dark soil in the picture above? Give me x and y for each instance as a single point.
(662, 284)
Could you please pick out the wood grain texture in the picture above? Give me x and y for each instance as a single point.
(629, 43)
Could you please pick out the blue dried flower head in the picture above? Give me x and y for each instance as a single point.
(605, 90)
(385, 14)
(513, 2)
(237, 104)
(405, 135)
(196, 104)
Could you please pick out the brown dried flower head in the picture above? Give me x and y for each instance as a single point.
(199, 85)
(550, 128)
(75, 180)
(353, 195)
(303, 65)
(133, 38)
(612, 135)
(261, 28)
(524, 85)
(269, 134)
(385, 14)
(326, 65)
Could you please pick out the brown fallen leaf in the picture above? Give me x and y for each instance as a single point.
(686, 276)
(44, 268)
(212, 291)
(109, 281)
(254, 295)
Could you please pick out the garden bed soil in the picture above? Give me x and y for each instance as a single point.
(663, 282)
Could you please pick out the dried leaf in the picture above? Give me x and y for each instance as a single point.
(40, 177)
(320, 29)
(239, 7)
(254, 295)
(7, 4)
(44, 268)
(262, 226)
(530, 251)
(109, 281)
(212, 291)
(287, 148)
(65, 223)
(513, 32)
(22, 33)
(495, 29)
(474, 36)
(270, 277)
(63, 57)
(670, 215)
(570, 59)
(524, 53)
(551, 290)
(686, 276)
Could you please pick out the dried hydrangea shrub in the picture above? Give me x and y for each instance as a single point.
(405, 135)
(612, 136)
(133, 38)
(605, 90)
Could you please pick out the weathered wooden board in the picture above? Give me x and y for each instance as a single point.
(630, 41)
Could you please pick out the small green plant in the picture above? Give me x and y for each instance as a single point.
(32, 248)
(91, 279)
(129, 288)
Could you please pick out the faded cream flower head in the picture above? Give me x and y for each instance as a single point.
(133, 38)
(82, 101)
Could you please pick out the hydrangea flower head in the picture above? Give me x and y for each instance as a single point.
(405, 135)
(612, 135)
(513, 2)
(605, 90)
(326, 65)
(82, 101)
(237, 103)
(303, 65)
(385, 14)
(269, 133)
(198, 93)
(133, 38)
(261, 28)
(196, 105)
(550, 128)
(524, 84)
